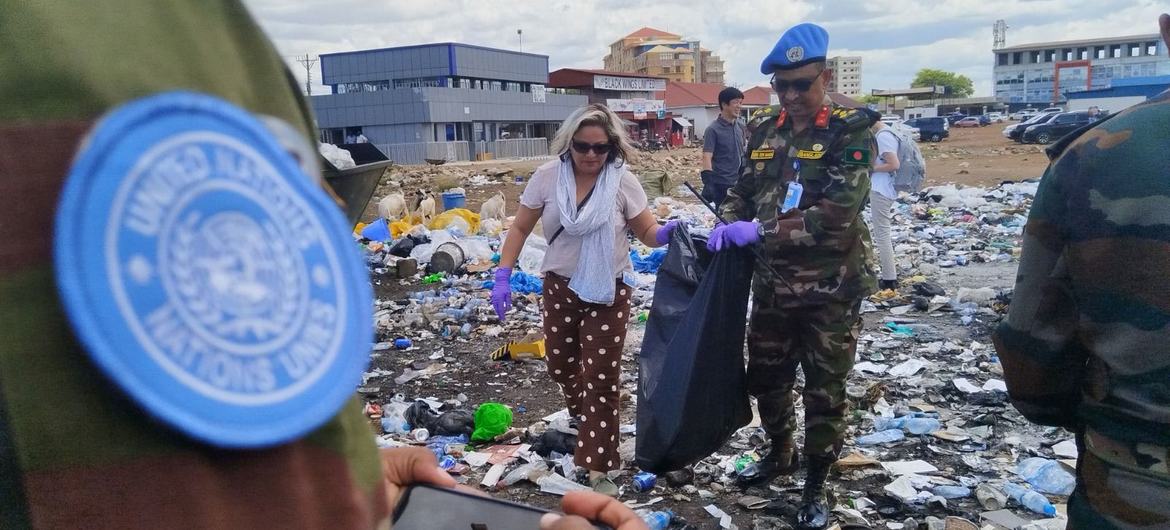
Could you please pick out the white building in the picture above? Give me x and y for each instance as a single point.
(846, 75)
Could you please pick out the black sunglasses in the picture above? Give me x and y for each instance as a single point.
(582, 147)
(800, 85)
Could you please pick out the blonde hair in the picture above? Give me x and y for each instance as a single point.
(593, 114)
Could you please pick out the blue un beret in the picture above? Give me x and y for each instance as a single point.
(800, 45)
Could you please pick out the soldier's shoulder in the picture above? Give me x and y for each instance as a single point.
(1147, 119)
(763, 115)
(854, 119)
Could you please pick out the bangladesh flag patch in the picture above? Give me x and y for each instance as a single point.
(856, 156)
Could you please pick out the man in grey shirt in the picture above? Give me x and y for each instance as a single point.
(723, 144)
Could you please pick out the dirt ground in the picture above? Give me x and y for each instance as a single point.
(977, 157)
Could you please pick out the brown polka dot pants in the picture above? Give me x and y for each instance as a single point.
(584, 345)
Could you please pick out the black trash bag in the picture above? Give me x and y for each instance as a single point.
(420, 415)
(554, 441)
(453, 423)
(402, 247)
(692, 387)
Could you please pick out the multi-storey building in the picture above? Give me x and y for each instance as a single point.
(1041, 73)
(846, 75)
(657, 53)
(445, 101)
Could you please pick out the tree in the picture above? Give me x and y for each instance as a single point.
(870, 98)
(957, 85)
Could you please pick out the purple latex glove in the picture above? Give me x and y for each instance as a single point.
(502, 292)
(739, 234)
(663, 234)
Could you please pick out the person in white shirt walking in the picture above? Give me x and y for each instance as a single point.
(881, 202)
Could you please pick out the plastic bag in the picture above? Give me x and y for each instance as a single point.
(463, 219)
(692, 387)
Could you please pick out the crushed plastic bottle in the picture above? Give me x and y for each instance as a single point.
(658, 520)
(881, 437)
(1031, 500)
(913, 424)
(951, 492)
(1046, 475)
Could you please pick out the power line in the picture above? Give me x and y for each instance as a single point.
(308, 62)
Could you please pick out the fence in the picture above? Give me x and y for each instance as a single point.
(418, 153)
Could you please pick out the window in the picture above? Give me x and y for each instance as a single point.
(1151, 48)
(1100, 52)
(1117, 52)
(1002, 59)
(1084, 54)
(1135, 50)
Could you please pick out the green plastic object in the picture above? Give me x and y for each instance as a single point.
(491, 420)
(433, 278)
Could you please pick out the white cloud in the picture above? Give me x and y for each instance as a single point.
(895, 37)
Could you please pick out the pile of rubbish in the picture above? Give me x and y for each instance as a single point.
(933, 439)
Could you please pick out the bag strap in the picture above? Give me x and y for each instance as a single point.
(579, 206)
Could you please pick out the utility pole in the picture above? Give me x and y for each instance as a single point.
(308, 62)
(520, 35)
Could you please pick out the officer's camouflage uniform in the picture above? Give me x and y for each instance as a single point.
(1085, 343)
(823, 252)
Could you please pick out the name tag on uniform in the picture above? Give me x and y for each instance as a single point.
(763, 154)
(809, 155)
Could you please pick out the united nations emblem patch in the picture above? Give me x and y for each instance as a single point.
(207, 276)
(795, 54)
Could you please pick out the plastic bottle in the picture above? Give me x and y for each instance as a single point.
(658, 520)
(1046, 475)
(881, 437)
(990, 498)
(951, 492)
(910, 423)
(1030, 499)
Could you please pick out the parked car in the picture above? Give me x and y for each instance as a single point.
(1060, 125)
(1051, 109)
(891, 119)
(995, 117)
(1024, 114)
(1019, 129)
(954, 117)
(969, 121)
(901, 127)
(984, 120)
(932, 129)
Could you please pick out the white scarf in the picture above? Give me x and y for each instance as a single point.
(593, 280)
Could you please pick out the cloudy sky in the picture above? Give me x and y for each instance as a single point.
(894, 37)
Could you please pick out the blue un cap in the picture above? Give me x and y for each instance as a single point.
(800, 45)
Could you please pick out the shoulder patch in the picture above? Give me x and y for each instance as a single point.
(207, 276)
(856, 156)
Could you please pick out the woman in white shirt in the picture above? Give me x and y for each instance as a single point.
(587, 200)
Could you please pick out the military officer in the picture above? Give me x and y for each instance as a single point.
(1084, 343)
(800, 194)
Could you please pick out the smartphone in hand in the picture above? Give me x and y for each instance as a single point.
(429, 507)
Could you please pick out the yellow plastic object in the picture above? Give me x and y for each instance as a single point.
(358, 228)
(519, 350)
(398, 228)
(444, 219)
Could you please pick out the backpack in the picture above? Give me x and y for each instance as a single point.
(912, 166)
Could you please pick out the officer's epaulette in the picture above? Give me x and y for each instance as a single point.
(762, 115)
(853, 119)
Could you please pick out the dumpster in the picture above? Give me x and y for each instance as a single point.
(356, 185)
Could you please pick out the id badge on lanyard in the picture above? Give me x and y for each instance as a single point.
(795, 190)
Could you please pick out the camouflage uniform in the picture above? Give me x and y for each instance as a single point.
(1084, 344)
(823, 251)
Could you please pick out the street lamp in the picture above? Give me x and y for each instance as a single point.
(520, 35)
